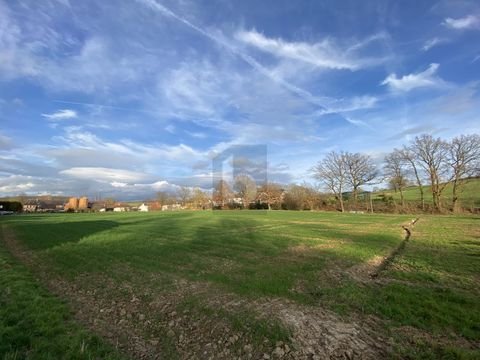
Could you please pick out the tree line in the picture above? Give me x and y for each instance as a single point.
(425, 162)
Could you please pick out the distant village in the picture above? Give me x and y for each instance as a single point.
(186, 199)
(82, 204)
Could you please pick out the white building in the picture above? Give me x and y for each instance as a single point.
(143, 207)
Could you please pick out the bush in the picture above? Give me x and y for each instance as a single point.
(15, 206)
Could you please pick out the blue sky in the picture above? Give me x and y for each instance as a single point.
(127, 98)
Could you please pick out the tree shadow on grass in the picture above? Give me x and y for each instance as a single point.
(41, 232)
(45, 235)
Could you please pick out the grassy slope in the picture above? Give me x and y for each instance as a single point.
(36, 325)
(469, 194)
(432, 287)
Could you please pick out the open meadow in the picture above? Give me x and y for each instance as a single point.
(239, 284)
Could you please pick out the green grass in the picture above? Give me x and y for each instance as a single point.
(432, 286)
(238, 250)
(36, 325)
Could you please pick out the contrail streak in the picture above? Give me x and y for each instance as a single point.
(304, 94)
(100, 105)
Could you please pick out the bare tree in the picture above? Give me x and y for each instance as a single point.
(163, 198)
(395, 172)
(431, 154)
(109, 202)
(270, 193)
(246, 189)
(331, 172)
(222, 193)
(409, 157)
(464, 160)
(360, 170)
(199, 198)
(184, 194)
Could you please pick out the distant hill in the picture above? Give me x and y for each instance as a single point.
(469, 195)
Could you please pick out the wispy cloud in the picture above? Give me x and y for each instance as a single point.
(350, 60)
(357, 122)
(409, 82)
(233, 49)
(467, 22)
(432, 43)
(63, 114)
(325, 54)
(349, 105)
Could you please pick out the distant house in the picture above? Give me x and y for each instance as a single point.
(31, 206)
(119, 209)
(237, 200)
(143, 207)
(171, 207)
(41, 206)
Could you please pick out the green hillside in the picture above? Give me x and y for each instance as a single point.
(469, 195)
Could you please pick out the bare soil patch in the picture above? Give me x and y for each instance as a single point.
(447, 340)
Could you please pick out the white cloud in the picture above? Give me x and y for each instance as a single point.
(170, 128)
(229, 45)
(16, 188)
(349, 105)
(15, 59)
(95, 64)
(198, 135)
(357, 122)
(432, 43)
(196, 88)
(324, 54)
(105, 174)
(97, 68)
(467, 22)
(20, 184)
(61, 115)
(118, 184)
(409, 82)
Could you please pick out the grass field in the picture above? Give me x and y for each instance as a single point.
(241, 283)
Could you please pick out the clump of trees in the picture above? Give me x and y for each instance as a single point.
(437, 163)
(15, 206)
(344, 171)
(186, 197)
(425, 161)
